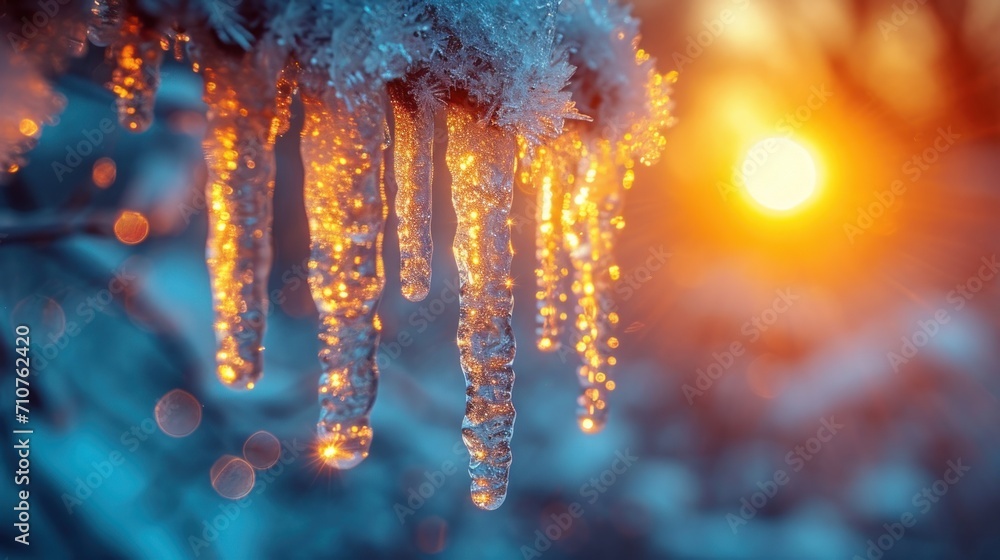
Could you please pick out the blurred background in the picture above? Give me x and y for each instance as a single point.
(806, 382)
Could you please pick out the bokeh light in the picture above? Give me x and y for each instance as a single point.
(28, 127)
(178, 413)
(104, 172)
(232, 477)
(262, 450)
(131, 227)
(432, 535)
(43, 313)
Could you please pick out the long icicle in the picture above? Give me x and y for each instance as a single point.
(342, 154)
(136, 78)
(606, 227)
(240, 188)
(413, 170)
(549, 181)
(588, 214)
(607, 171)
(481, 158)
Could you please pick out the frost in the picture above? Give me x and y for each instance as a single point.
(501, 54)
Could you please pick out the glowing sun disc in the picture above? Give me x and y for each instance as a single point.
(780, 174)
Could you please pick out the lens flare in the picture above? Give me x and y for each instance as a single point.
(780, 174)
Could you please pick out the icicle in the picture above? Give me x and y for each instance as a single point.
(76, 38)
(240, 188)
(137, 55)
(413, 171)
(105, 21)
(342, 155)
(481, 159)
(283, 102)
(591, 217)
(545, 170)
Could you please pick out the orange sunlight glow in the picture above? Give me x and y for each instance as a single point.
(780, 174)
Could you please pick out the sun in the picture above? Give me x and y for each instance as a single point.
(780, 174)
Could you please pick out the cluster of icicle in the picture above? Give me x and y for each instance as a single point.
(580, 177)
(557, 87)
